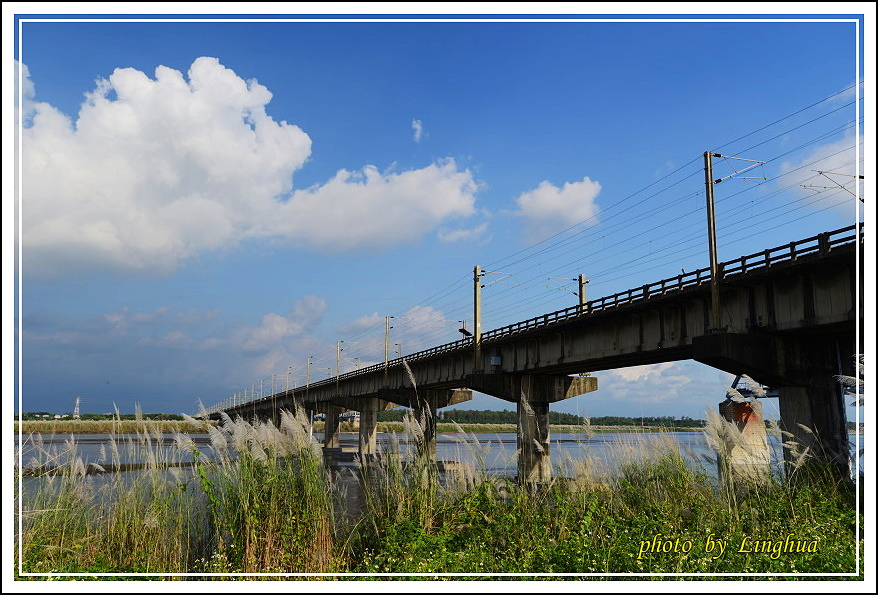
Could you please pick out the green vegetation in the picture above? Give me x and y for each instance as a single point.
(665, 421)
(263, 503)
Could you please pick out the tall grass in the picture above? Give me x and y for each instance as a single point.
(74, 522)
(594, 517)
(271, 506)
(260, 500)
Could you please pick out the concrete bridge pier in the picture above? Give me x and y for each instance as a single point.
(532, 394)
(331, 425)
(803, 369)
(746, 456)
(534, 464)
(425, 411)
(368, 408)
(819, 406)
(425, 404)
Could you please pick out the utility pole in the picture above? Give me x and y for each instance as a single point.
(387, 328)
(710, 182)
(477, 318)
(582, 283)
(289, 371)
(307, 392)
(338, 358)
(337, 365)
(711, 239)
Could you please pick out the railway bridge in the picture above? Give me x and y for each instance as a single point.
(788, 316)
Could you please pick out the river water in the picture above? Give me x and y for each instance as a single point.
(495, 453)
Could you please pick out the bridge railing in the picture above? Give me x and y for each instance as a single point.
(820, 244)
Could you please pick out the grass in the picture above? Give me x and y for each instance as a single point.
(259, 500)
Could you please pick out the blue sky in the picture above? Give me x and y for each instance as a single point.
(206, 205)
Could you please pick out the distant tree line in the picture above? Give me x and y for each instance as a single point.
(555, 417)
(665, 420)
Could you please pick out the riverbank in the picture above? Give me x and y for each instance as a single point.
(99, 426)
(267, 506)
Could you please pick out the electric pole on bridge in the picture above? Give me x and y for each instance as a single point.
(477, 317)
(337, 364)
(387, 328)
(711, 240)
(582, 298)
(711, 226)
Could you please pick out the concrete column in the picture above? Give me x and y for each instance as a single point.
(803, 369)
(819, 407)
(369, 426)
(532, 394)
(425, 413)
(534, 465)
(330, 427)
(747, 456)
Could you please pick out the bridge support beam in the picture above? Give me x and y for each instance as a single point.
(532, 394)
(803, 368)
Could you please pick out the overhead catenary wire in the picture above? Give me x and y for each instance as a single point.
(453, 300)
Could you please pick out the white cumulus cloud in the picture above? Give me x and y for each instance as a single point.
(153, 171)
(373, 209)
(548, 209)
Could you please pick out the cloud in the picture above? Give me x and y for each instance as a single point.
(275, 328)
(363, 323)
(684, 383)
(838, 159)
(647, 373)
(548, 209)
(25, 109)
(418, 127)
(376, 210)
(462, 235)
(164, 353)
(154, 171)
